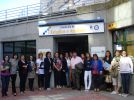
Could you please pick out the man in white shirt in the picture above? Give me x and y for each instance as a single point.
(75, 77)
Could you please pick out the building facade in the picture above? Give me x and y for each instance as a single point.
(110, 26)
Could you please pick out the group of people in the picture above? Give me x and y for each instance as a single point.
(70, 70)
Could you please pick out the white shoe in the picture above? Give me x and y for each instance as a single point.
(48, 89)
(125, 95)
(114, 92)
(86, 90)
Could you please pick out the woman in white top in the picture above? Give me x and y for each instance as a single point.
(40, 71)
(126, 68)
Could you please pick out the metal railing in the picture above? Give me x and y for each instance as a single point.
(43, 9)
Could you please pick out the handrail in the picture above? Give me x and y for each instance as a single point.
(36, 9)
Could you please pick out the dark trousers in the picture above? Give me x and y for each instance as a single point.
(63, 79)
(13, 80)
(41, 80)
(31, 82)
(5, 84)
(47, 79)
(76, 79)
(23, 78)
(125, 77)
(96, 81)
(57, 78)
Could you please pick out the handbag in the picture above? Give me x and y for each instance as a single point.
(79, 66)
(108, 79)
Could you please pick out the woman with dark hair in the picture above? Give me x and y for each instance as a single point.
(126, 68)
(106, 64)
(57, 70)
(40, 71)
(96, 72)
(23, 71)
(87, 71)
(13, 71)
(5, 75)
(31, 73)
(63, 70)
(48, 63)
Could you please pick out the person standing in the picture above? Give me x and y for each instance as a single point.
(114, 70)
(96, 72)
(48, 63)
(57, 69)
(108, 79)
(63, 70)
(87, 71)
(23, 71)
(126, 68)
(13, 71)
(75, 75)
(31, 73)
(68, 69)
(40, 71)
(5, 75)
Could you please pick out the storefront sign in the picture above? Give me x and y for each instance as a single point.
(97, 27)
(100, 51)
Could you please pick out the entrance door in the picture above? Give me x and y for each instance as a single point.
(72, 43)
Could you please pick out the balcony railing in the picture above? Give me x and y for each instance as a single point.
(43, 9)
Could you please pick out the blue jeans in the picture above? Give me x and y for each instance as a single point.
(68, 78)
(5, 84)
(125, 77)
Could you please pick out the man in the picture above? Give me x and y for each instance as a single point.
(75, 74)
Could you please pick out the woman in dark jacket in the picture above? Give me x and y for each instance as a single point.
(63, 70)
(48, 65)
(23, 71)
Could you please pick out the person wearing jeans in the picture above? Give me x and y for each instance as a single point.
(13, 71)
(126, 68)
(87, 72)
(5, 75)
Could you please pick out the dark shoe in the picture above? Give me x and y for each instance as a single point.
(14, 94)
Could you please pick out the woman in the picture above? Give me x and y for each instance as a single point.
(40, 71)
(126, 68)
(114, 70)
(57, 68)
(96, 72)
(68, 69)
(23, 71)
(5, 75)
(13, 71)
(31, 73)
(48, 63)
(63, 70)
(87, 72)
(106, 64)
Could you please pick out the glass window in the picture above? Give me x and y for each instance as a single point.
(8, 47)
(130, 34)
(19, 47)
(130, 49)
(23, 47)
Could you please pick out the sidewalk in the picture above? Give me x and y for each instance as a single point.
(65, 94)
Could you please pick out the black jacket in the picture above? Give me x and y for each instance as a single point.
(48, 65)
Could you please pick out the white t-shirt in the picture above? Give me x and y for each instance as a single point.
(40, 69)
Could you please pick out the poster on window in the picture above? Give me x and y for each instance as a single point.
(44, 51)
(100, 51)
